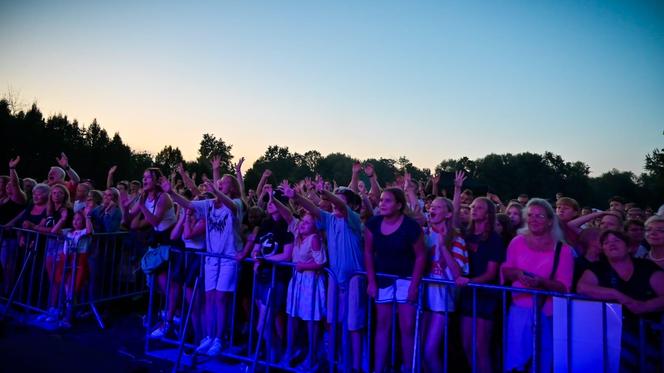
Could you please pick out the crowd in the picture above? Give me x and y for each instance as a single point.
(398, 234)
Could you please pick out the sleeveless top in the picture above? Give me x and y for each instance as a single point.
(169, 218)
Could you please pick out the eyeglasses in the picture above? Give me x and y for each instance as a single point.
(537, 216)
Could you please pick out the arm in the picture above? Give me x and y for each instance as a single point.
(284, 211)
(63, 161)
(188, 181)
(60, 224)
(418, 270)
(251, 239)
(589, 286)
(19, 197)
(337, 202)
(435, 180)
(259, 189)
(89, 229)
(221, 197)
(375, 187)
(355, 178)
(447, 260)
(308, 205)
(183, 202)
(216, 165)
(286, 255)
(576, 224)
(163, 204)
(178, 228)
(193, 230)
(459, 178)
(109, 176)
(312, 266)
(240, 180)
(372, 288)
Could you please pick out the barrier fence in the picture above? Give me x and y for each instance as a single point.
(48, 276)
(581, 334)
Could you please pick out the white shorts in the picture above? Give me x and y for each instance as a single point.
(440, 298)
(220, 276)
(394, 293)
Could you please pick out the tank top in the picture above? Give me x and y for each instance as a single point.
(169, 218)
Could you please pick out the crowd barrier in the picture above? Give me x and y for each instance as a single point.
(586, 334)
(50, 276)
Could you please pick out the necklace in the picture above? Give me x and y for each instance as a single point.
(652, 257)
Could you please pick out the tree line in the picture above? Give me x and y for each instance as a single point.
(38, 140)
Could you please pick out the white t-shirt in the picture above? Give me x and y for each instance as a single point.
(222, 228)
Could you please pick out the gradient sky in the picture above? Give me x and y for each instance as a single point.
(430, 80)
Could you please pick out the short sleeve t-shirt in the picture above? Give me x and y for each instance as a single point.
(393, 253)
(459, 253)
(540, 263)
(344, 243)
(272, 236)
(222, 233)
(481, 252)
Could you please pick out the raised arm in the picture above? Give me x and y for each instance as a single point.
(259, 189)
(576, 224)
(109, 176)
(188, 181)
(435, 182)
(284, 211)
(459, 178)
(240, 180)
(355, 178)
(375, 190)
(313, 209)
(180, 200)
(216, 168)
(19, 197)
(63, 161)
(221, 197)
(341, 206)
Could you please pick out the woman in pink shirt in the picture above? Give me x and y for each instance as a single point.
(531, 263)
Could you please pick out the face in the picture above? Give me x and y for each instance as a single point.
(655, 234)
(635, 233)
(614, 247)
(635, 213)
(594, 247)
(586, 211)
(537, 220)
(515, 216)
(81, 191)
(522, 200)
(438, 212)
(499, 227)
(78, 222)
(121, 188)
(272, 208)
(479, 210)
(565, 212)
(388, 205)
(466, 199)
(90, 201)
(10, 190)
(225, 185)
(39, 197)
(133, 188)
(616, 206)
(464, 215)
(54, 176)
(336, 212)
(307, 225)
(57, 195)
(109, 197)
(610, 221)
(148, 181)
(28, 185)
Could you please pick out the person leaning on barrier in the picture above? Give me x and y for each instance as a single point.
(638, 285)
(12, 203)
(536, 259)
(394, 245)
(655, 238)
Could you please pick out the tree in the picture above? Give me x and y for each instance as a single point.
(168, 158)
(211, 146)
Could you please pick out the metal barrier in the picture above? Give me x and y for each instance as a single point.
(252, 349)
(649, 331)
(52, 274)
(249, 348)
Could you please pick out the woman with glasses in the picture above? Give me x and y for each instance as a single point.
(536, 259)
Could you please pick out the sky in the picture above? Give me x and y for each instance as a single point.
(429, 80)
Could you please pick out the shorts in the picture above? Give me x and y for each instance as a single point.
(350, 303)
(440, 298)
(220, 276)
(487, 303)
(394, 293)
(192, 267)
(278, 294)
